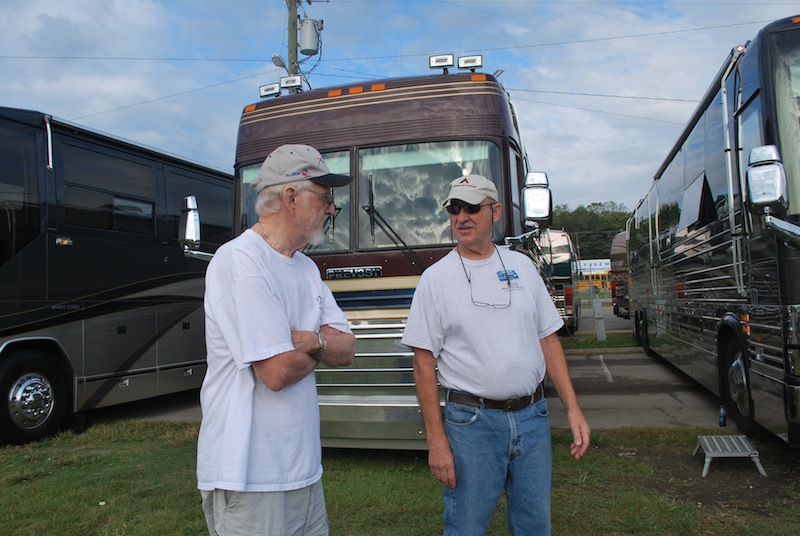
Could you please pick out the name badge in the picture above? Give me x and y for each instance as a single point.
(505, 275)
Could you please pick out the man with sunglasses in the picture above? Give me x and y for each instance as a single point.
(483, 326)
(270, 320)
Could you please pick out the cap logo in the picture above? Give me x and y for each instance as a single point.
(303, 172)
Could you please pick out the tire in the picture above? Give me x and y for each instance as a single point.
(34, 398)
(644, 338)
(735, 383)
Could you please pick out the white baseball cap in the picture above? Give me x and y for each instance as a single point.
(472, 189)
(291, 163)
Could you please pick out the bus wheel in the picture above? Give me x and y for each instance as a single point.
(35, 398)
(644, 338)
(738, 402)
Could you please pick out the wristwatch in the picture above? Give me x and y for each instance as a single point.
(323, 345)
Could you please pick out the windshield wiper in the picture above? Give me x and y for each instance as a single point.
(375, 217)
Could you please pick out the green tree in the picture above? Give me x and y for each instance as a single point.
(592, 227)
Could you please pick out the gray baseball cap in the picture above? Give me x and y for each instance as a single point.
(291, 163)
(472, 189)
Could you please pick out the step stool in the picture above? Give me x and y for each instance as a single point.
(727, 446)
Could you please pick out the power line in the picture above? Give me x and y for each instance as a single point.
(695, 101)
(397, 56)
(165, 97)
(600, 111)
(233, 60)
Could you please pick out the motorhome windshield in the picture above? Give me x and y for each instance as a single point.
(399, 192)
(786, 73)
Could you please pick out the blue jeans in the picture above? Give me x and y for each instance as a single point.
(496, 450)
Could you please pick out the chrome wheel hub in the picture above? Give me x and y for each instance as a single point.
(737, 385)
(30, 401)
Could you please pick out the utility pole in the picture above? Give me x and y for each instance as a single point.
(292, 67)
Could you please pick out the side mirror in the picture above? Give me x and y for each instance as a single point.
(190, 224)
(767, 188)
(537, 204)
(189, 230)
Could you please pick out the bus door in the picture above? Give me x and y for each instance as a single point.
(181, 344)
(765, 348)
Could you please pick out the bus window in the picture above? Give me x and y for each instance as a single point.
(19, 205)
(107, 192)
(214, 198)
(338, 162)
(408, 184)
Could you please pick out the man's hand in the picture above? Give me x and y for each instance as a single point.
(581, 433)
(440, 460)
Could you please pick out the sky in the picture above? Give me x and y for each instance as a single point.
(603, 89)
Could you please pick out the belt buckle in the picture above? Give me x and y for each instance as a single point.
(508, 405)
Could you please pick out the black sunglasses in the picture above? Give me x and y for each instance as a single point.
(469, 208)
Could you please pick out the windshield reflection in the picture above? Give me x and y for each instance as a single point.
(408, 184)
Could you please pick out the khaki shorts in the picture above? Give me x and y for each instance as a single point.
(276, 513)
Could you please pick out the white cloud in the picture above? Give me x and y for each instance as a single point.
(594, 148)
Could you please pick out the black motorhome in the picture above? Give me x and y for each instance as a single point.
(714, 245)
(98, 306)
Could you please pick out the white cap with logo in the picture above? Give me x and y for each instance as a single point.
(472, 189)
(291, 163)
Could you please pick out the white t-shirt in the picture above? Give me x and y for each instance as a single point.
(491, 350)
(251, 438)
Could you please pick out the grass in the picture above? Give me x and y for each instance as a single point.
(137, 478)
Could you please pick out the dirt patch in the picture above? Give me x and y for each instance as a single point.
(730, 483)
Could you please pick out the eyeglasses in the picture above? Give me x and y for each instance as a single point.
(469, 208)
(485, 304)
(326, 197)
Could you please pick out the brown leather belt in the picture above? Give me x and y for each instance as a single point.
(512, 404)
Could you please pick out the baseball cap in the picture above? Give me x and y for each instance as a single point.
(291, 163)
(472, 189)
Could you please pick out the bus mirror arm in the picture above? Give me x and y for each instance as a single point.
(783, 229)
(189, 230)
(528, 245)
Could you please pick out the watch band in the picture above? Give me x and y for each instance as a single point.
(323, 345)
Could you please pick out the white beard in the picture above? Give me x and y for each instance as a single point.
(317, 237)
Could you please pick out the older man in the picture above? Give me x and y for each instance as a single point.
(483, 325)
(270, 320)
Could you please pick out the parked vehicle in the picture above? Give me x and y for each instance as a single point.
(619, 275)
(97, 305)
(565, 275)
(713, 245)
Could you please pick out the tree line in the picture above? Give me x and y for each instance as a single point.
(592, 227)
